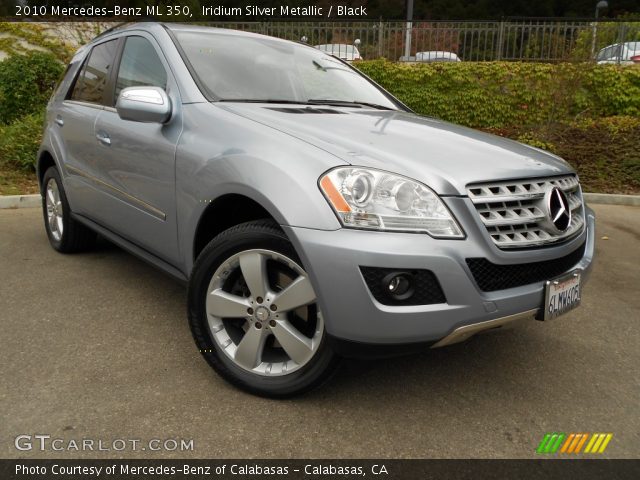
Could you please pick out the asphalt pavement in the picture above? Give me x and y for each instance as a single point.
(96, 346)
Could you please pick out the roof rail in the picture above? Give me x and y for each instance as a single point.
(117, 27)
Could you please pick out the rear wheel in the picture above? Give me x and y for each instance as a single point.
(254, 313)
(65, 234)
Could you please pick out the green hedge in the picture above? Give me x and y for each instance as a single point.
(501, 94)
(26, 83)
(19, 142)
(586, 113)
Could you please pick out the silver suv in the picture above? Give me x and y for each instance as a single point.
(312, 214)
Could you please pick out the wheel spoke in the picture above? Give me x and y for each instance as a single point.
(298, 293)
(225, 305)
(50, 197)
(254, 271)
(249, 350)
(297, 346)
(53, 224)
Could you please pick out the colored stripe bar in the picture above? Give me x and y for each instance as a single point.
(582, 440)
(574, 443)
(543, 443)
(556, 445)
(599, 440)
(590, 444)
(606, 441)
(567, 443)
(552, 440)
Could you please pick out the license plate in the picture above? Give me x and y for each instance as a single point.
(562, 295)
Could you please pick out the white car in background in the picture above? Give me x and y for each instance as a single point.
(345, 52)
(622, 53)
(437, 56)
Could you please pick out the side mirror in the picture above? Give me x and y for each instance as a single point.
(144, 104)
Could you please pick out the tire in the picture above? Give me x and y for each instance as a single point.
(266, 349)
(64, 233)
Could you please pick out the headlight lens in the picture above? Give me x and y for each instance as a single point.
(367, 198)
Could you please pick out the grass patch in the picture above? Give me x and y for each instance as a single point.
(17, 182)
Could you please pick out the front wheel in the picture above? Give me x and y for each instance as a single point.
(254, 315)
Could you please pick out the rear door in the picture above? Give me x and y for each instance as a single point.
(75, 121)
(137, 160)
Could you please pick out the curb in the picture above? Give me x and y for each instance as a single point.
(20, 201)
(33, 201)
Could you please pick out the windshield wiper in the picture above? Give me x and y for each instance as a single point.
(337, 103)
(258, 100)
(347, 103)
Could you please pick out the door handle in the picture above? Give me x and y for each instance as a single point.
(59, 121)
(104, 138)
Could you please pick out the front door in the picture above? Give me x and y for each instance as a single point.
(138, 159)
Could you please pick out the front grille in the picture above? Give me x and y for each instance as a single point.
(426, 288)
(490, 276)
(513, 212)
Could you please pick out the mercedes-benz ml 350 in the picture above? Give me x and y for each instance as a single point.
(312, 214)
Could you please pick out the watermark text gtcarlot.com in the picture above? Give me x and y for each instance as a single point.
(42, 443)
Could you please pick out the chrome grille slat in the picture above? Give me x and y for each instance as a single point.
(512, 214)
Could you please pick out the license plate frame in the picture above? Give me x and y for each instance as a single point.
(555, 287)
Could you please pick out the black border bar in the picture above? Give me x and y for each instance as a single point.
(258, 469)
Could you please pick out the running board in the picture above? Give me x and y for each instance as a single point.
(132, 248)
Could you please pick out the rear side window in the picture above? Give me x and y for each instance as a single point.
(140, 66)
(91, 83)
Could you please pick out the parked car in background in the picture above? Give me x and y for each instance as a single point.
(310, 212)
(437, 56)
(622, 53)
(345, 52)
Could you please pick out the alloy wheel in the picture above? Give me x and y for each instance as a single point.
(262, 313)
(54, 209)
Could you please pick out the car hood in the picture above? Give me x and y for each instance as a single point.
(444, 156)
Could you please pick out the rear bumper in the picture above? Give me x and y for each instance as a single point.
(333, 260)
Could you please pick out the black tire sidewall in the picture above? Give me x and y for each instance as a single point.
(253, 235)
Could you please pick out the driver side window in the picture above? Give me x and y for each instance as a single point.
(92, 80)
(140, 66)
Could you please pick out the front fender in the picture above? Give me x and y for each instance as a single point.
(221, 153)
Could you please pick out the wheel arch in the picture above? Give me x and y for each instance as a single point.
(44, 161)
(225, 212)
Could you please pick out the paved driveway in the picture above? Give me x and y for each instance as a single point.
(97, 346)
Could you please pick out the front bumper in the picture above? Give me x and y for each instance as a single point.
(333, 260)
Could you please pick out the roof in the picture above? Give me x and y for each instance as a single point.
(180, 27)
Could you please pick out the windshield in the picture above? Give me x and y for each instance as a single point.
(612, 52)
(234, 67)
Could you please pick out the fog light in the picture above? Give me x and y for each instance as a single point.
(398, 285)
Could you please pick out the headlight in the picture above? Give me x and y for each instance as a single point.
(367, 198)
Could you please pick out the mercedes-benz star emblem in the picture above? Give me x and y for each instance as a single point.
(558, 209)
